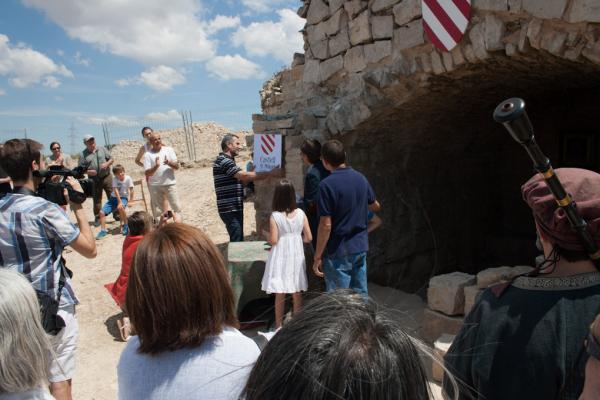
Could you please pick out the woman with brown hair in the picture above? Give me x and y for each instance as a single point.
(181, 305)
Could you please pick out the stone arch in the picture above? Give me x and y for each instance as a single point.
(418, 121)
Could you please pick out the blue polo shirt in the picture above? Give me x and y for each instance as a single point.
(345, 196)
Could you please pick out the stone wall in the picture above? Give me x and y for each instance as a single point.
(417, 121)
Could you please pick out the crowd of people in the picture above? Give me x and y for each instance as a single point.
(522, 340)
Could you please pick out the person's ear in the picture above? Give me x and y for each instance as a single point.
(35, 166)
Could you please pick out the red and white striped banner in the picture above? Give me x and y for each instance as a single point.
(267, 143)
(445, 21)
(267, 151)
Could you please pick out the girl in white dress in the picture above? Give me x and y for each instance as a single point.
(285, 271)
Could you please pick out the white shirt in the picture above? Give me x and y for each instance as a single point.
(36, 394)
(122, 186)
(216, 370)
(164, 175)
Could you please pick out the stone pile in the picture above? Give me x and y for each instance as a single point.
(450, 297)
(207, 138)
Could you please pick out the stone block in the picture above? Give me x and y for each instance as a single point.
(515, 6)
(382, 27)
(354, 7)
(436, 63)
(346, 114)
(329, 67)
(424, 61)
(447, 61)
(477, 37)
(354, 59)
(545, 9)
(440, 348)
(446, 292)
(298, 59)
(311, 72)
(457, 56)
(374, 52)
(360, 28)
(320, 49)
(335, 5)
(534, 30)
(337, 22)
(592, 53)
(469, 53)
(339, 43)
(471, 293)
(297, 72)
(490, 276)
(489, 5)
(494, 30)
(380, 5)
(510, 49)
(435, 324)
(583, 10)
(316, 32)
(554, 42)
(285, 123)
(307, 121)
(406, 11)
(317, 12)
(409, 35)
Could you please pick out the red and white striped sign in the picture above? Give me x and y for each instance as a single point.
(267, 143)
(445, 21)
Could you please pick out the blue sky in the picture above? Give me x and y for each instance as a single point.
(81, 63)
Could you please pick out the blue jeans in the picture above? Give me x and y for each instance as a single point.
(347, 272)
(234, 222)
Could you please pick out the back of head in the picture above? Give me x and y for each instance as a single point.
(140, 223)
(284, 197)
(333, 153)
(584, 188)
(178, 291)
(339, 347)
(24, 345)
(312, 149)
(17, 155)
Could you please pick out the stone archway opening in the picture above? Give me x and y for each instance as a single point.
(449, 177)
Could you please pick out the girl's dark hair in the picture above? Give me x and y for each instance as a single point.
(178, 292)
(140, 223)
(312, 149)
(340, 346)
(284, 198)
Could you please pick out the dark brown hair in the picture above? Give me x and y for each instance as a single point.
(16, 156)
(284, 198)
(178, 291)
(333, 152)
(312, 149)
(139, 223)
(118, 168)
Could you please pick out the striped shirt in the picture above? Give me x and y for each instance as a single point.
(230, 191)
(33, 233)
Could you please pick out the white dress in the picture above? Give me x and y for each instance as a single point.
(285, 271)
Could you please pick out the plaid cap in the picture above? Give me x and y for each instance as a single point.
(584, 188)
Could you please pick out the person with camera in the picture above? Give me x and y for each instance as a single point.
(97, 161)
(33, 234)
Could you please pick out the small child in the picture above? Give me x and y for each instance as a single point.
(140, 224)
(122, 190)
(285, 271)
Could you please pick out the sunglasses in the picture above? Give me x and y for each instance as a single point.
(55, 148)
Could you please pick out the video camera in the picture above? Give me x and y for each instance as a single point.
(53, 190)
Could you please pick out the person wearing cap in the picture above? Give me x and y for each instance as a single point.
(524, 339)
(97, 161)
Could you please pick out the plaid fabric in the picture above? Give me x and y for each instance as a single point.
(230, 191)
(33, 233)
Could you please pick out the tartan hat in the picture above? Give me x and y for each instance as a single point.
(584, 188)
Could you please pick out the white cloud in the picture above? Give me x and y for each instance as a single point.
(279, 39)
(262, 6)
(148, 31)
(234, 67)
(221, 22)
(86, 62)
(60, 52)
(171, 115)
(109, 119)
(2, 92)
(26, 67)
(159, 78)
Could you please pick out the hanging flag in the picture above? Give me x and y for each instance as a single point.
(267, 151)
(445, 21)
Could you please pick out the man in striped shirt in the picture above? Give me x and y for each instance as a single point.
(33, 234)
(229, 186)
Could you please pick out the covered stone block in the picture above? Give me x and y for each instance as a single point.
(489, 5)
(382, 27)
(435, 324)
(545, 9)
(409, 35)
(377, 51)
(354, 59)
(311, 72)
(360, 28)
(354, 7)
(339, 43)
(380, 5)
(334, 5)
(330, 67)
(491, 276)
(317, 12)
(406, 11)
(494, 30)
(583, 10)
(440, 348)
(446, 292)
(471, 293)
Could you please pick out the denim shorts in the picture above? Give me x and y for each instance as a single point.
(111, 205)
(348, 272)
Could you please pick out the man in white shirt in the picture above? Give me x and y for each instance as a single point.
(160, 164)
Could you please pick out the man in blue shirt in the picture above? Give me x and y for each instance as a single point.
(345, 198)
